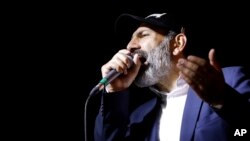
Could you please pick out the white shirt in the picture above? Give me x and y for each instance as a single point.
(172, 111)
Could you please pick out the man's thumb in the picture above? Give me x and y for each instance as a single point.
(137, 62)
(213, 60)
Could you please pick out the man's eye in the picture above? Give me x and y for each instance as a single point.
(144, 34)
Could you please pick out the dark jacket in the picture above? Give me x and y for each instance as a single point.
(134, 114)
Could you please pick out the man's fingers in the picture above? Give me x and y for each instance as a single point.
(185, 69)
(188, 64)
(123, 59)
(120, 62)
(197, 60)
(125, 51)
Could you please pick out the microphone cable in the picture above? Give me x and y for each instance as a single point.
(100, 86)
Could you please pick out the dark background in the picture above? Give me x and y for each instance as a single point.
(58, 49)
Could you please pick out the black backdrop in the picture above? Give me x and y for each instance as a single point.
(62, 45)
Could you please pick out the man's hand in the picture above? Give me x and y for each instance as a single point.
(204, 77)
(121, 62)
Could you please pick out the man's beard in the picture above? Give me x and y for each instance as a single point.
(159, 65)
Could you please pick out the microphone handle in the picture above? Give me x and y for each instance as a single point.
(110, 77)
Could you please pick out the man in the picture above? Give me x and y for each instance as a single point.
(166, 94)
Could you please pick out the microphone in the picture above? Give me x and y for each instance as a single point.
(113, 74)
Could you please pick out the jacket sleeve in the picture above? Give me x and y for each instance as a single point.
(236, 108)
(111, 121)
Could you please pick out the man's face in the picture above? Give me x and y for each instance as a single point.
(154, 47)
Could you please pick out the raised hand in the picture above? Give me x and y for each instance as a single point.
(205, 77)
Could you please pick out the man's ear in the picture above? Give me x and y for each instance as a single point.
(180, 41)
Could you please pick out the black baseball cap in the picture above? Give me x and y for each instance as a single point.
(127, 23)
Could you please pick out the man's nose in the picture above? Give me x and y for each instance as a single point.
(133, 45)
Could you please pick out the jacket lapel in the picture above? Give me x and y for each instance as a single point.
(190, 115)
(143, 118)
(139, 114)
